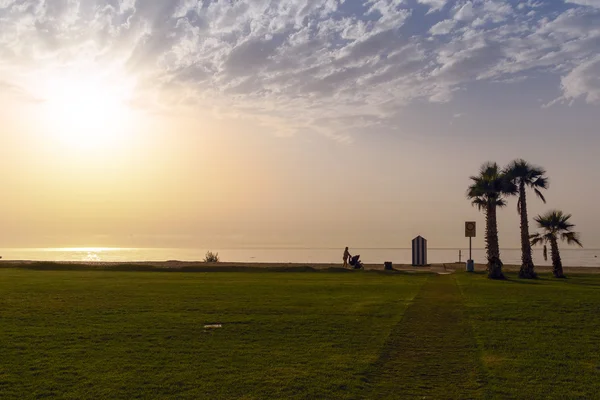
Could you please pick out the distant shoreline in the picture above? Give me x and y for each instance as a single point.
(199, 266)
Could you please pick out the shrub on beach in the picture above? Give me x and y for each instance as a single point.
(211, 257)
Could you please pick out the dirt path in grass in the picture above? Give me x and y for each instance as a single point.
(431, 353)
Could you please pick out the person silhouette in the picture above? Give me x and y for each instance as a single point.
(346, 257)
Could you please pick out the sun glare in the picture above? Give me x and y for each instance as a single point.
(87, 113)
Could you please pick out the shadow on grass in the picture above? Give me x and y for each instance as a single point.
(509, 278)
(543, 278)
(577, 282)
(480, 273)
(548, 278)
(521, 281)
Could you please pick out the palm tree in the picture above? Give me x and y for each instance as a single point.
(524, 175)
(555, 224)
(487, 192)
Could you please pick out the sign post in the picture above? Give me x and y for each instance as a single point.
(470, 232)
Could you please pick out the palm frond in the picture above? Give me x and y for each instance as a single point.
(479, 202)
(489, 168)
(563, 222)
(540, 195)
(508, 187)
(474, 178)
(540, 182)
(571, 238)
(545, 253)
(501, 202)
(516, 169)
(520, 172)
(544, 221)
(536, 239)
(490, 186)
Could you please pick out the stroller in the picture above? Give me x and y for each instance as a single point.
(355, 262)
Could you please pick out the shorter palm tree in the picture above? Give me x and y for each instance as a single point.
(555, 224)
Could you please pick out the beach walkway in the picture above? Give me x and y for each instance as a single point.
(410, 364)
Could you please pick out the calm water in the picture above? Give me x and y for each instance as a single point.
(570, 257)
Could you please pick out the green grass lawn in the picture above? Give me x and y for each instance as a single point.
(106, 334)
(141, 335)
(537, 339)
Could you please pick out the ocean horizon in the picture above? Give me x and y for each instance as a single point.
(570, 257)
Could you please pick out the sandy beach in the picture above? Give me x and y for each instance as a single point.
(237, 266)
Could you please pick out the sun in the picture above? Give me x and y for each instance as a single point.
(87, 112)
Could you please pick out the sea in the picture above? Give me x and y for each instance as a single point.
(570, 257)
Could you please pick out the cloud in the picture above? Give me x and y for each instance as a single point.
(591, 3)
(304, 65)
(17, 92)
(583, 81)
(443, 27)
(469, 59)
(465, 12)
(435, 5)
(481, 12)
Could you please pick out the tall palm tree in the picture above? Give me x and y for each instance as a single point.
(487, 192)
(555, 224)
(524, 175)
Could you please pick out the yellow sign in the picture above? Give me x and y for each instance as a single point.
(470, 229)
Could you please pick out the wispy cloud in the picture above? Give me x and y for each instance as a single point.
(591, 3)
(308, 64)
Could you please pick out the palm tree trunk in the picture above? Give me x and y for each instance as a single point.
(493, 249)
(527, 268)
(557, 268)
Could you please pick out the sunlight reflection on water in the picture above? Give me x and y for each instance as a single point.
(92, 257)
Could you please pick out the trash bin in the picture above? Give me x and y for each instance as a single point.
(387, 266)
(470, 266)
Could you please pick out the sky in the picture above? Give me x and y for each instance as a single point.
(300, 123)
